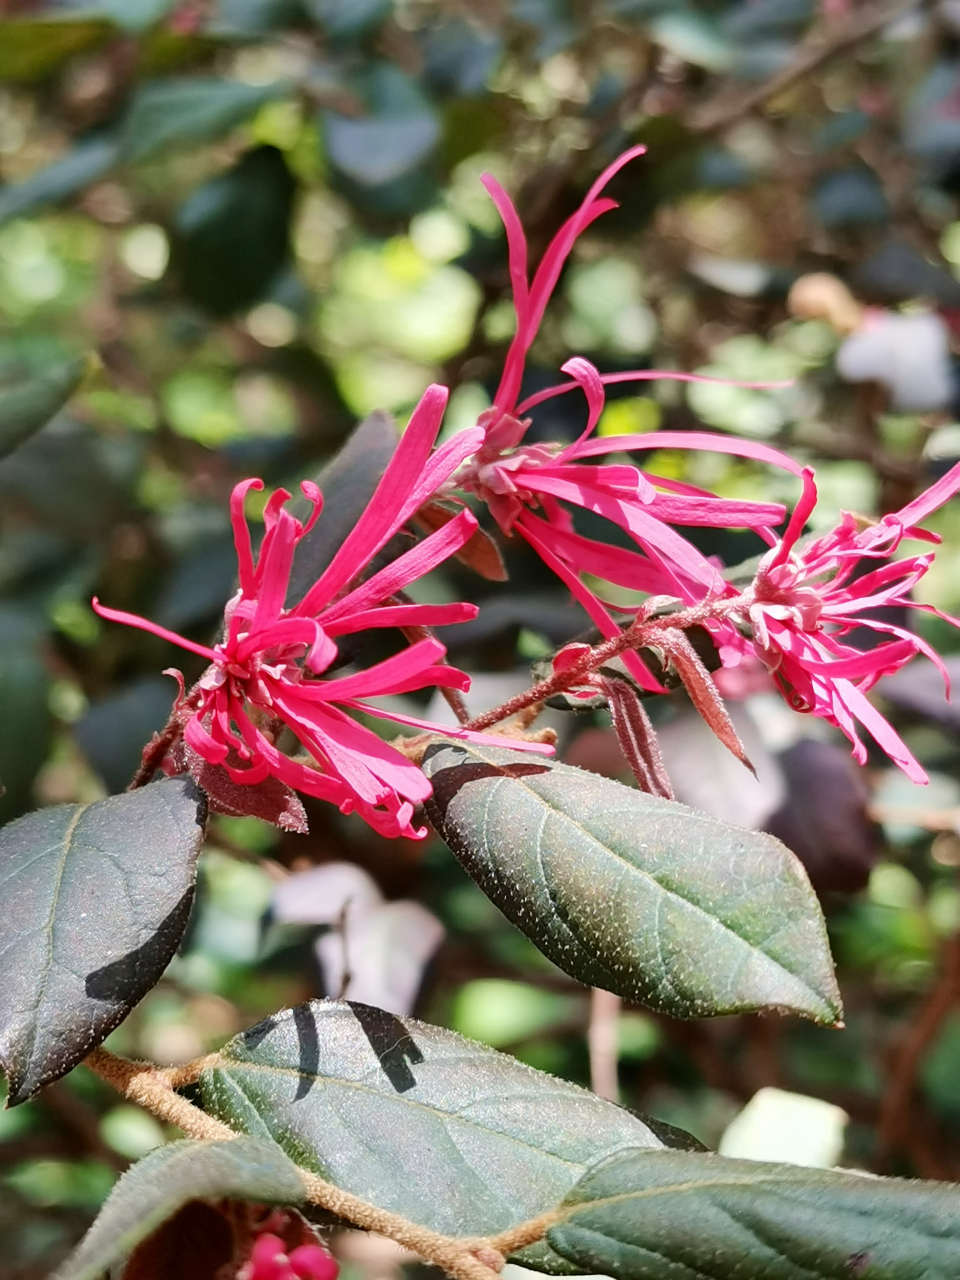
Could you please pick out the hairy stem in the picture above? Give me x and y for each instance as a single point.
(155, 750)
(152, 1088)
(642, 631)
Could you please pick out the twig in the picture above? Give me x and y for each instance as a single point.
(641, 632)
(151, 1088)
(155, 750)
(602, 1042)
(895, 1110)
(727, 108)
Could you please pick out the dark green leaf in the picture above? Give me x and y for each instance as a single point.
(96, 899)
(233, 233)
(347, 19)
(31, 48)
(636, 894)
(25, 723)
(112, 732)
(364, 1098)
(156, 1187)
(76, 481)
(400, 131)
(29, 403)
(189, 110)
(84, 163)
(850, 197)
(347, 483)
(686, 1216)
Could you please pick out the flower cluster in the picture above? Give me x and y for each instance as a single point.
(273, 674)
(803, 601)
(265, 673)
(806, 599)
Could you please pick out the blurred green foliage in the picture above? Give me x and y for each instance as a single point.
(264, 217)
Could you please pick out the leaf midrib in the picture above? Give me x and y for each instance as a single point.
(360, 1086)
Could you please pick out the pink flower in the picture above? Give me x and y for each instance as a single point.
(264, 673)
(517, 480)
(805, 600)
(269, 1260)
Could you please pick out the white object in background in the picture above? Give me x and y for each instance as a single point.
(909, 354)
(514, 1272)
(319, 895)
(384, 952)
(786, 1127)
(706, 776)
(378, 950)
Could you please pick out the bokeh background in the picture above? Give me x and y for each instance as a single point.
(264, 218)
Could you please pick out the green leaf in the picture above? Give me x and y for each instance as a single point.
(30, 402)
(25, 723)
(347, 483)
(695, 38)
(233, 232)
(636, 894)
(32, 48)
(449, 1133)
(96, 898)
(190, 110)
(347, 19)
(686, 1216)
(157, 1186)
(400, 131)
(84, 163)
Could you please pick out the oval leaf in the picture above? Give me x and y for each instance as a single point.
(357, 1094)
(29, 404)
(156, 1187)
(633, 893)
(234, 232)
(168, 112)
(663, 1215)
(85, 163)
(96, 898)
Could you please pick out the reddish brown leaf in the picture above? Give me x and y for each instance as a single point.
(636, 736)
(271, 800)
(703, 692)
(197, 1243)
(481, 553)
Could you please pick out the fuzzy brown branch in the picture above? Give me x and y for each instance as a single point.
(727, 108)
(151, 1087)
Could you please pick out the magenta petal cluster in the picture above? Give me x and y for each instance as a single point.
(269, 1260)
(265, 674)
(806, 600)
(529, 488)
